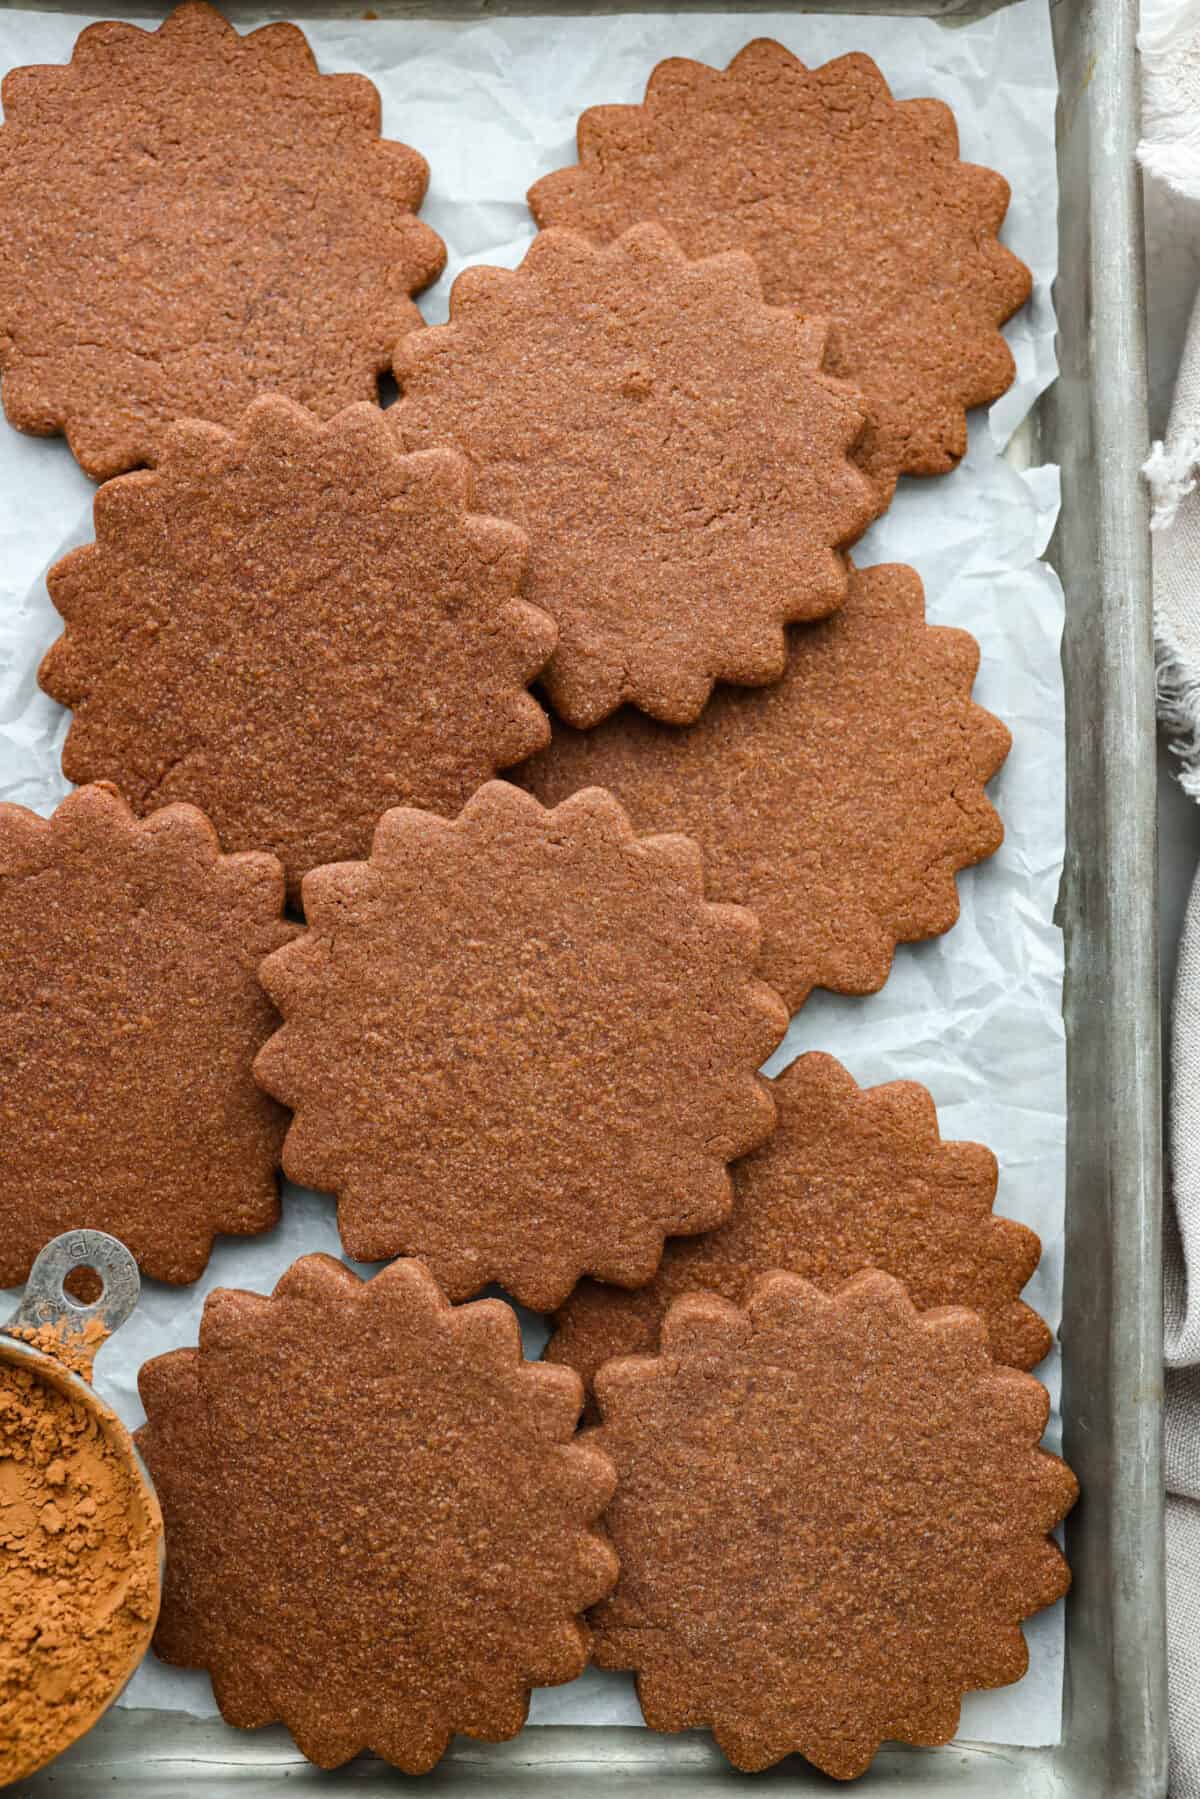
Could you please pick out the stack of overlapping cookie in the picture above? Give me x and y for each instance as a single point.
(521, 1021)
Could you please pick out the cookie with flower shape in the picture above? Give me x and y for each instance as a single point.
(189, 218)
(521, 1044)
(295, 627)
(839, 804)
(832, 1514)
(130, 1014)
(852, 1178)
(855, 207)
(669, 444)
(380, 1525)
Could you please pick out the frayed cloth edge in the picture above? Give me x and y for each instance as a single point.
(1177, 681)
(1172, 474)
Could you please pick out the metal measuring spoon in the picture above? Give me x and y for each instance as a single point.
(48, 1308)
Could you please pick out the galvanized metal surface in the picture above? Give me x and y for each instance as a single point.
(1114, 1745)
(1096, 428)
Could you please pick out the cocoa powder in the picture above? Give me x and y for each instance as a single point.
(76, 1350)
(78, 1568)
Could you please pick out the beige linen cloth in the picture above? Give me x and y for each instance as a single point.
(1170, 152)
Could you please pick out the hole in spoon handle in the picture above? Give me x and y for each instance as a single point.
(46, 1301)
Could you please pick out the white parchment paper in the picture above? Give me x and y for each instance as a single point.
(975, 1015)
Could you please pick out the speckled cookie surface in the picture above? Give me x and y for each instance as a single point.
(130, 1014)
(855, 207)
(838, 804)
(189, 218)
(668, 443)
(521, 1045)
(852, 1178)
(831, 1515)
(295, 627)
(379, 1528)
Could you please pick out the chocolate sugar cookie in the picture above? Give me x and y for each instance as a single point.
(831, 1515)
(189, 218)
(855, 208)
(852, 1178)
(295, 627)
(520, 1045)
(379, 1527)
(838, 804)
(668, 443)
(130, 1013)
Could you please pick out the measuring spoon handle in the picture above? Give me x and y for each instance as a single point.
(46, 1300)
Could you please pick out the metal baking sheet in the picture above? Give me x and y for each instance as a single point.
(1094, 425)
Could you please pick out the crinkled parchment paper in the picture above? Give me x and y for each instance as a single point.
(975, 1015)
